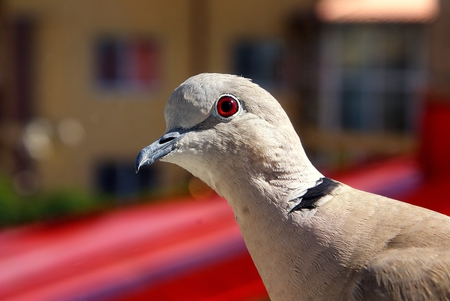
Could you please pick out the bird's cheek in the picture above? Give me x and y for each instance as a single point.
(184, 157)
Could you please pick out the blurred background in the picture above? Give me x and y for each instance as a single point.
(83, 84)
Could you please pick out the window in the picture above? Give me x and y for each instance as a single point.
(127, 63)
(121, 180)
(372, 76)
(19, 104)
(262, 61)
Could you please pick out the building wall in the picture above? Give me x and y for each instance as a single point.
(233, 20)
(117, 124)
(193, 36)
(439, 50)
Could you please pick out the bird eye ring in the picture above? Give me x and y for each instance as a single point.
(227, 106)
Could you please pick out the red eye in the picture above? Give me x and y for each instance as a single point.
(227, 106)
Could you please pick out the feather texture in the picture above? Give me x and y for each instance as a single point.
(337, 243)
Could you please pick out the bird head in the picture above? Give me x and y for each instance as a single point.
(228, 131)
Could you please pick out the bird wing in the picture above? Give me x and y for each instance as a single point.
(406, 274)
(398, 251)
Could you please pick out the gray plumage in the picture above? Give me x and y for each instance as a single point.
(345, 245)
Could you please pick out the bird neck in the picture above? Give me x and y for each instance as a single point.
(270, 180)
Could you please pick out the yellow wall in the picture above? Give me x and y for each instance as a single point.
(118, 124)
(250, 19)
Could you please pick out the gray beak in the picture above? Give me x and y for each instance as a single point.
(157, 149)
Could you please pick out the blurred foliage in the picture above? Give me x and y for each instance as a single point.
(64, 204)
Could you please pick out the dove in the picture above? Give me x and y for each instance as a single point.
(309, 236)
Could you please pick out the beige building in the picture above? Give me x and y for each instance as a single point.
(84, 82)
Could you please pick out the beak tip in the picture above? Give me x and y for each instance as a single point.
(140, 163)
(157, 150)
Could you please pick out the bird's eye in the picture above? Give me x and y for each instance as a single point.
(227, 106)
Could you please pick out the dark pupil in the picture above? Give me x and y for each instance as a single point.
(226, 106)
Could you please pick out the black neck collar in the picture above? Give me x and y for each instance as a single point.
(309, 200)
